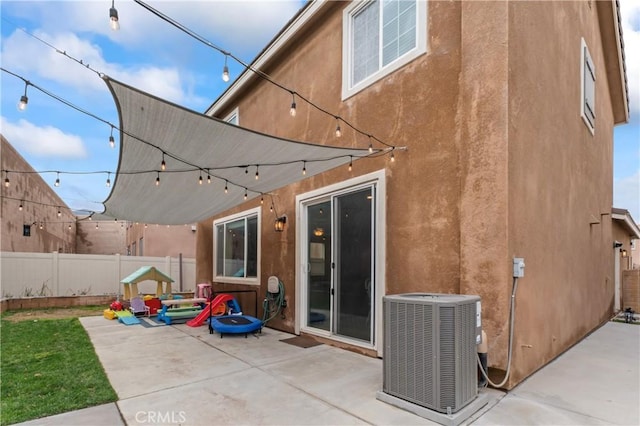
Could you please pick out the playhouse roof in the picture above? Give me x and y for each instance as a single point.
(147, 273)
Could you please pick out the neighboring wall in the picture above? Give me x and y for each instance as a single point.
(40, 208)
(53, 274)
(101, 237)
(161, 240)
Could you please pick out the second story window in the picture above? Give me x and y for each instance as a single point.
(379, 37)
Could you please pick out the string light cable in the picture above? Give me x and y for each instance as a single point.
(261, 74)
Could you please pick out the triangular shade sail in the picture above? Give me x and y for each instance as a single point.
(146, 273)
(227, 153)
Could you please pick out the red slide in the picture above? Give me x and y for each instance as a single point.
(202, 317)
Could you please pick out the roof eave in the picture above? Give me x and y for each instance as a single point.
(627, 222)
(614, 56)
(283, 38)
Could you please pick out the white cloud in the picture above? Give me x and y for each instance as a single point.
(626, 194)
(45, 141)
(630, 15)
(26, 55)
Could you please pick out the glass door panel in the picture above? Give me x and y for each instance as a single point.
(319, 265)
(353, 219)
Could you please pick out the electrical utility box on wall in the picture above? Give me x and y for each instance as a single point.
(430, 349)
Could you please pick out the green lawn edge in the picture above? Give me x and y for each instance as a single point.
(48, 367)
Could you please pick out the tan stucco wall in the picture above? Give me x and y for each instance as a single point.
(560, 181)
(499, 164)
(162, 240)
(40, 206)
(107, 238)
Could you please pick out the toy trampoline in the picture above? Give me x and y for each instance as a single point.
(234, 324)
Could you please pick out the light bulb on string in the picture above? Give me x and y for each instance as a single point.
(271, 208)
(226, 187)
(57, 182)
(112, 141)
(208, 178)
(24, 99)
(245, 194)
(69, 227)
(261, 199)
(59, 212)
(158, 179)
(304, 168)
(370, 145)
(7, 182)
(393, 157)
(292, 110)
(97, 225)
(257, 173)
(108, 184)
(350, 163)
(225, 70)
(338, 131)
(20, 206)
(163, 164)
(200, 179)
(114, 23)
(41, 225)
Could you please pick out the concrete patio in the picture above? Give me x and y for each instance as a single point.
(182, 375)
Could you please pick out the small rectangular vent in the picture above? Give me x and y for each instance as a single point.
(430, 349)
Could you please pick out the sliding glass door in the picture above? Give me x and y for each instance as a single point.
(339, 245)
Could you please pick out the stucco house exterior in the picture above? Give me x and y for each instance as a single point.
(507, 112)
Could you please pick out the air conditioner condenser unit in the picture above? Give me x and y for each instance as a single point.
(430, 349)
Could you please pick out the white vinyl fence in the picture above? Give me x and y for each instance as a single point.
(61, 274)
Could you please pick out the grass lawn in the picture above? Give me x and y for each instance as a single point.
(48, 366)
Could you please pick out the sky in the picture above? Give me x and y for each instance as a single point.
(150, 54)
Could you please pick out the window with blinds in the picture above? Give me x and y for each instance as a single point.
(380, 36)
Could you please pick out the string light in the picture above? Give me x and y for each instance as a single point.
(20, 206)
(57, 182)
(226, 187)
(113, 17)
(245, 194)
(158, 179)
(304, 168)
(41, 225)
(338, 131)
(163, 165)
(97, 225)
(393, 157)
(108, 180)
(69, 227)
(200, 179)
(292, 111)
(225, 70)
(271, 208)
(59, 212)
(370, 145)
(257, 173)
(7, 182)
(24, 99)
(208, 177)
(350, 163)
(112, 141)
(261, 199)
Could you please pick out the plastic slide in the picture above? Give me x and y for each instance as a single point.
(218, 306)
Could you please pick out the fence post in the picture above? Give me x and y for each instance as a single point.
(118, 274)
(54, 273)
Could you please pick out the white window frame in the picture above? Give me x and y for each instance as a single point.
(257, 212)
(585, 63)
(235, 115)
(349, 89)
(380, 255)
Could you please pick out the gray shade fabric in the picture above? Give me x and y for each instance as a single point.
(221, 148)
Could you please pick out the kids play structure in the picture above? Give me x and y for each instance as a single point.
(146, 273)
